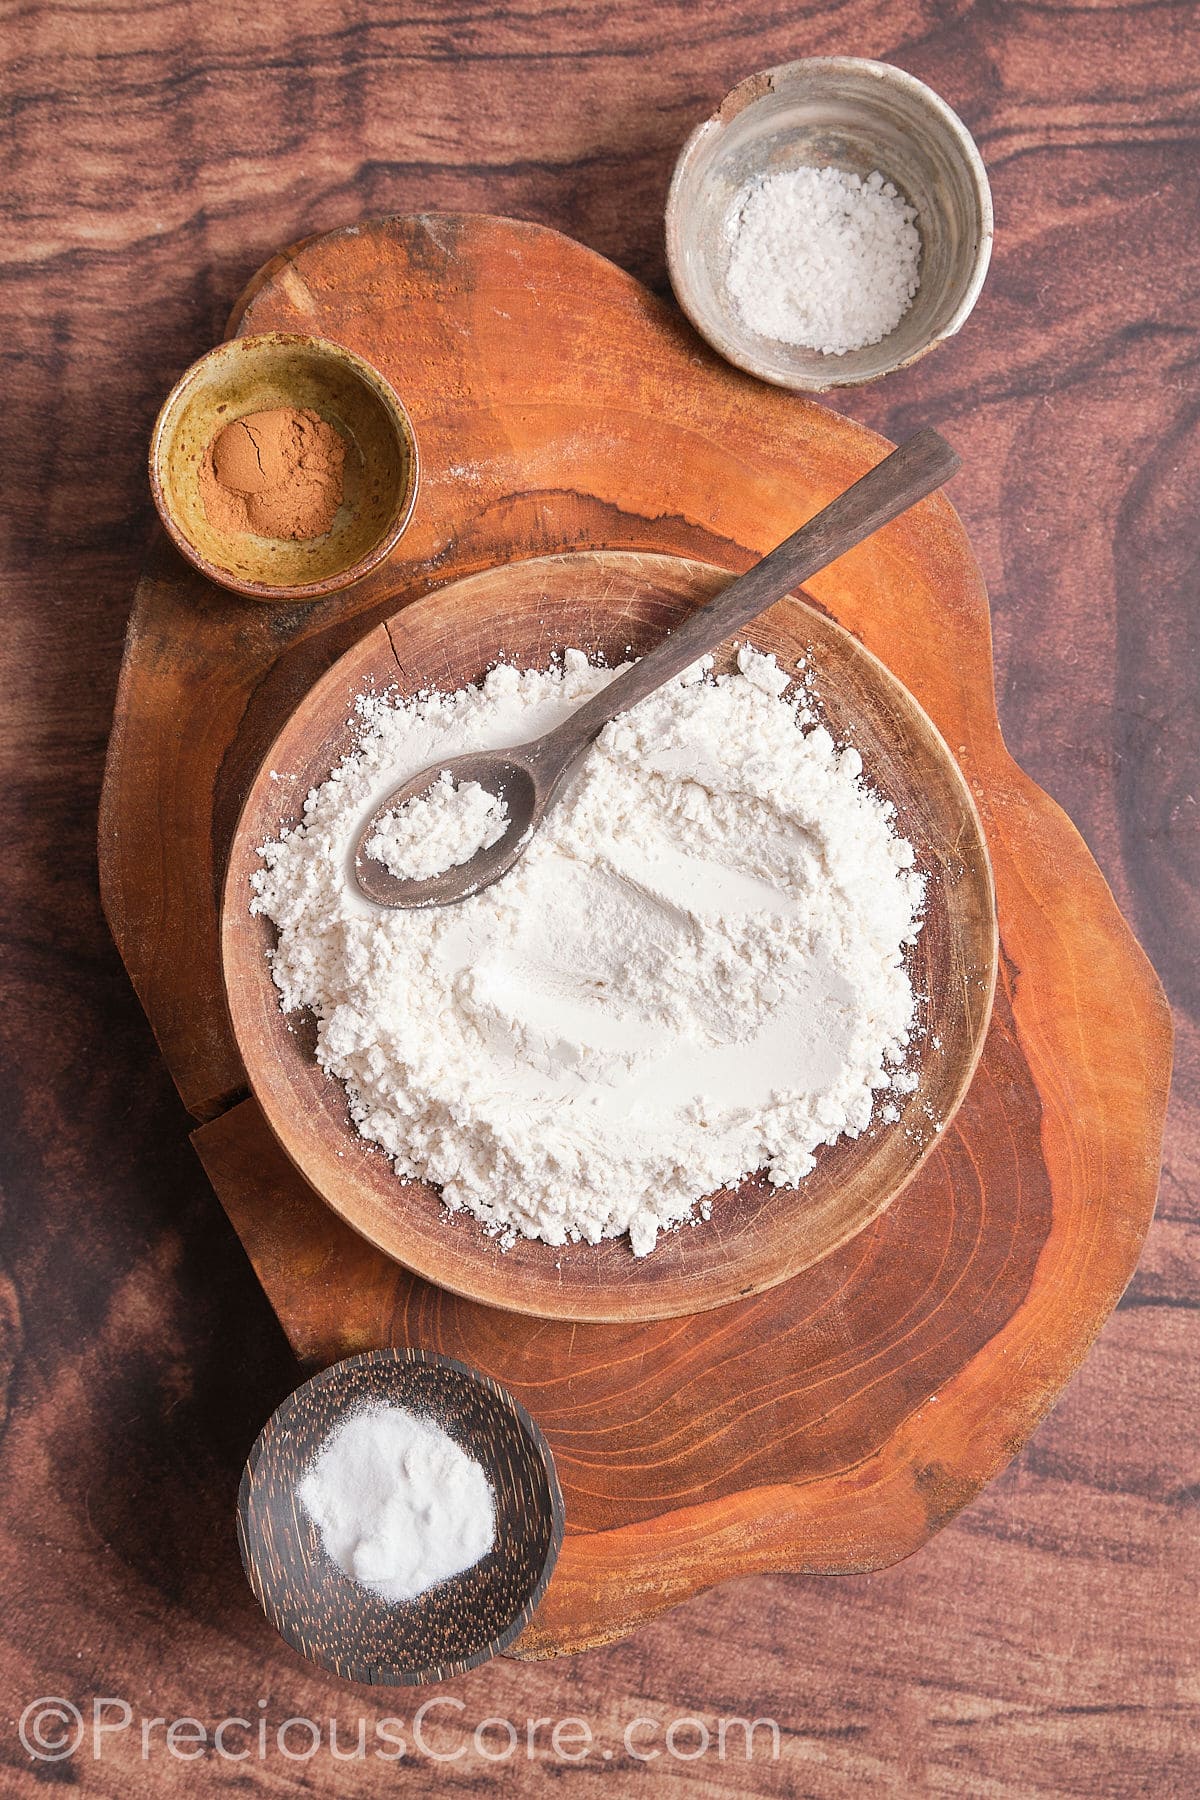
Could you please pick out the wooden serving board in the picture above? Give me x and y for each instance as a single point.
(838, 1420)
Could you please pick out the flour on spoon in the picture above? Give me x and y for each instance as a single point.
(438, 830)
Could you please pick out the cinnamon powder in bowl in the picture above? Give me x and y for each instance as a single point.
(277, 474)
(284, 467)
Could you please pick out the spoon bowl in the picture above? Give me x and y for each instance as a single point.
(509, 775)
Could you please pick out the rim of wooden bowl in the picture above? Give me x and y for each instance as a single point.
(286, 593)
(293, 1630)
(764, 1241)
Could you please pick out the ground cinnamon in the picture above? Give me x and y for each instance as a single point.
(277, 474)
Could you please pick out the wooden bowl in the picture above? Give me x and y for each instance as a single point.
(602, 602)
(454, 1626)
(253, 374)
(853, 114)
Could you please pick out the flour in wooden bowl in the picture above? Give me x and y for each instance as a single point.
(696, 970)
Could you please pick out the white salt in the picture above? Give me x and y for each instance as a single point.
(399, 1506)
(822, 259)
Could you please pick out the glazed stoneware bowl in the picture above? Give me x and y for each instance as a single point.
(847, 113)
(345, 1627)
(280, 369)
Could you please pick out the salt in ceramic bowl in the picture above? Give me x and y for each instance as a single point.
(851, 114)
(280, 369)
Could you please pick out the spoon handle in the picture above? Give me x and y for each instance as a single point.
(890, 488)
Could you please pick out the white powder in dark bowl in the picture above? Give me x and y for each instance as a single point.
(399, 1506)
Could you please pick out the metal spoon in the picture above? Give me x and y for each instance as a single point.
(530, 777)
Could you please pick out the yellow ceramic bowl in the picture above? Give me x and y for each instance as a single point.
(278, 369)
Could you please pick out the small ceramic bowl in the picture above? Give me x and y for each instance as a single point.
(851, 114)
(254, 374)
(460, 1623)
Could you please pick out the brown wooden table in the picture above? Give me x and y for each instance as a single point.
(1044, 1643)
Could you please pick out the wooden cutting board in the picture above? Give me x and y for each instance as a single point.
(836, 1421)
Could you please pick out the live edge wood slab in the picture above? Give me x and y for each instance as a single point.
(838, 1420)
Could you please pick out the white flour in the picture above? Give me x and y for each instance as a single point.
(821, 258)
(399, 1506)
(438, 830)
(695, 971)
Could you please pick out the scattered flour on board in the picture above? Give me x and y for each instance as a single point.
(438, 830)
(695, 971)
(822, 258)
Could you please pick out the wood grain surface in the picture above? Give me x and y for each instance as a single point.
(933, 1343)
(1044, 1643)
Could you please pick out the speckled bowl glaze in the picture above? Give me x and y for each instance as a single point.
(460, 1623)
(251, 374)
(856, 115)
